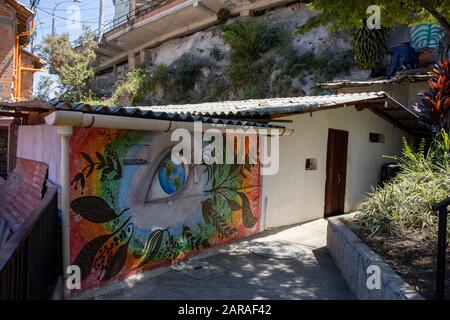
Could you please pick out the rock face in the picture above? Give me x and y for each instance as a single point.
(209, 52)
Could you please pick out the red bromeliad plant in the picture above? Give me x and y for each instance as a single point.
(436, 101)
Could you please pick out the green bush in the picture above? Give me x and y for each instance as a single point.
(161, 74)
(282, 86)
(326, 65)
(248, 71)
(184, 72)
(405, 203)
(223, 15)
(249, 40)
(134, 86)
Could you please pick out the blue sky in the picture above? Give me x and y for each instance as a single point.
(64, 13)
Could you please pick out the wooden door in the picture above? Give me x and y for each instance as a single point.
(336, 172)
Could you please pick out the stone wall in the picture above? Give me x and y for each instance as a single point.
(353, 258)
(202, 45)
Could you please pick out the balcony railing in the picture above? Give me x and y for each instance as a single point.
(139, 11)
(28, 260)
(442, 208)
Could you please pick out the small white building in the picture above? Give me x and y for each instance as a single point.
(115, 161)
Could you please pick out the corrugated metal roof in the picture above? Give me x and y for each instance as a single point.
(269, 107)
(246, 112)
(261, 108)
(22, 191)
(403, 78)
(135, 112)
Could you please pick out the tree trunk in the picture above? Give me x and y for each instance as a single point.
(439, 17)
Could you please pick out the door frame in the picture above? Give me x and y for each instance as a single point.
(11, 143)
(330, 195)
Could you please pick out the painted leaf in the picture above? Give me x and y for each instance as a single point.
(116, 263)
(247, 216)
(76, 178)
(82, 182)
(100, 158)
(119, 170)
(234, 205)
(109, 162)
(187, 233)
(86, 256)
(152, 246)
(94, 209)
(91, 169)
(107, 170)
(207, 210)
(87, 157)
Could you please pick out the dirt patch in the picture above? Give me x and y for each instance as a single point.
(412, 255)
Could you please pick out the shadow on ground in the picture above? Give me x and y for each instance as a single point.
(302, 270)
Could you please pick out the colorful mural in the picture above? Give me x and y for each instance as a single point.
(132, 208)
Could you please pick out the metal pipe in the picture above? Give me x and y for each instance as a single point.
(65, 132)
(80, 119)
(18, 63)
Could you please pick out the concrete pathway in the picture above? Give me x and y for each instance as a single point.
(287, 263)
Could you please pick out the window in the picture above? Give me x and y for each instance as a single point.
(311, 164)
(7, 146)
(376, 137)
(3, 152)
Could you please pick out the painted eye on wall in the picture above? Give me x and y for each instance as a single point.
(168, 180)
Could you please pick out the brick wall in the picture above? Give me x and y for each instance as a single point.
(7, 32)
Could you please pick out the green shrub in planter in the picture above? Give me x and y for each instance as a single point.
(223, 15)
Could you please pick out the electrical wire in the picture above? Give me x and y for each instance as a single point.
(81, 9)
(63, 18)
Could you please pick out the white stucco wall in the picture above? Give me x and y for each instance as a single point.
(41, 143)
(296, 195)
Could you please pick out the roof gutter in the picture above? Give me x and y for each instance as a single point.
(89, 120)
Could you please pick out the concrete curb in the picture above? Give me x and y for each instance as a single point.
(353, 257)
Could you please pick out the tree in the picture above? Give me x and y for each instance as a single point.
(73, 63)
(347, 15)
(44, 88)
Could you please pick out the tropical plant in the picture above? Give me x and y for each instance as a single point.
(405, 203)
(435, 105)
(369, 46)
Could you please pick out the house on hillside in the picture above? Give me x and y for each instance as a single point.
(115, 174)
(17, 67)
(17, 64)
